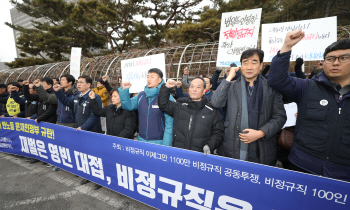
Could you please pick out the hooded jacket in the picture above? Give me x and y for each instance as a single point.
(196, 123)
(148, 98)
(103, 93)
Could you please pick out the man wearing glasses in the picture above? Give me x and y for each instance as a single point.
(322, 135)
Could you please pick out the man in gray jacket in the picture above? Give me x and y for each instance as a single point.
(255, 112)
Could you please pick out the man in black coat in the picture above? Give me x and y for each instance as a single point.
(197, 125)
(46, 111)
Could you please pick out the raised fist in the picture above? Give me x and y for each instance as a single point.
(57, 87)
(36, 83)
(170, 83)
(26, 82)
(186, 70)
(126, 85)
(92, 94)
(292, 38)
(178, 84)
(104, 78)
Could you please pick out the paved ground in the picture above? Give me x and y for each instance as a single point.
(34, 186)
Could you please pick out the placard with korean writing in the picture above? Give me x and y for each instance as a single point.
(319, 34)
(135, 70)
(167, 177)
(238, 32)
(75, 62)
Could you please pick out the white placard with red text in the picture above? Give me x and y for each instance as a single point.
(238, 32)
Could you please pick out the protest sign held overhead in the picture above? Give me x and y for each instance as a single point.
(135, 70)
(75, 62)
(319, 34)
(238, 32)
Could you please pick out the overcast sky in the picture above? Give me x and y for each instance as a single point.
(7, 42)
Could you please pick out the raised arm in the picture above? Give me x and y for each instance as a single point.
(279, 79)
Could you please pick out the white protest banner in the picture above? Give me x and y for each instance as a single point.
(75, 62)
(319, 34)
(135, 70)
(238, 32)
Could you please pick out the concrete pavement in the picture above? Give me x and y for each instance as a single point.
(34, 186)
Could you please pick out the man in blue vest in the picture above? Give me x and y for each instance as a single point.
(321, 143)
(154, 125)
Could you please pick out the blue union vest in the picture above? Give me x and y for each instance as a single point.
(151, 118)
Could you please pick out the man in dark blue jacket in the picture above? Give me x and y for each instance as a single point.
(322, 135)
(65, 115)
(85, 118)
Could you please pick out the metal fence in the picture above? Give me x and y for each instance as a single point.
(200, 58)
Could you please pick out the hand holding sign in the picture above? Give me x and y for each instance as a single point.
(292, 38)
(37, 83)
(232, 73)
(92, 95)
(126, 85)
(56, 87)
(170, 83)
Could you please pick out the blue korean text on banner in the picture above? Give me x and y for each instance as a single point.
(167, 177)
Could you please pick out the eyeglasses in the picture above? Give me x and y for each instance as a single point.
(342, 59)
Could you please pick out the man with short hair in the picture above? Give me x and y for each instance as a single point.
(197, 125)
(65, 115)
(30, 107)
(155, 126)
(85, 119)
(321, 143)
(255, 112)
(208, 85)
(46, 111)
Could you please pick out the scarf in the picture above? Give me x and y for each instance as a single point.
(250, 117)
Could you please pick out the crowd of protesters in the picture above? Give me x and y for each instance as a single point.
(240, 116)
